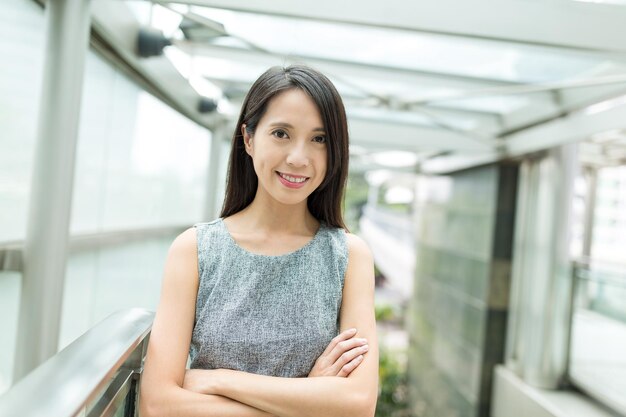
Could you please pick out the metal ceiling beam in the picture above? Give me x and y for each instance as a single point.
(542, 107)
(356, 69)
(563, 24)
(572, 128)
(487, 119)
(570, 100)
(410, 133)
(488, 122)
(376, 135)
(348, 71)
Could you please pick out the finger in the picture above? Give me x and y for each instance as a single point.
(345, 346)
(345, 335)
(350, 366)
(350, 355)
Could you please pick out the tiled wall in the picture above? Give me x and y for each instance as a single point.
(458, 309)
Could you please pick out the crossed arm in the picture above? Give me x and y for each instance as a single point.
(168, 390)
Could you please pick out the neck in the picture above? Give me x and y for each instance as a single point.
(269, 215)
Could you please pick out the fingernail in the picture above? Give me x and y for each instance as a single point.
(353, 330)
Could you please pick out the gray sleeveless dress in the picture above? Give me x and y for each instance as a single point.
(268, 315)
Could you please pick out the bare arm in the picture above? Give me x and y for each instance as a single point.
(319, 396)
(162, 392)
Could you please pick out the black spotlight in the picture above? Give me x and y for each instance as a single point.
(207, 105)
(150, 42)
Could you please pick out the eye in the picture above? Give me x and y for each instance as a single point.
(319, 139)
(280, 134)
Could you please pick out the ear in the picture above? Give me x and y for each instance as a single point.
(247, 139)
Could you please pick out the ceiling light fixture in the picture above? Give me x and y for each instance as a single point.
(197, 28)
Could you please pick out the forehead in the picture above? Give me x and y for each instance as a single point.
(294, 107)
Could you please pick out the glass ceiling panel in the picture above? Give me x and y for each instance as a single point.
(400, 89)
(494, 104)
(404, 49)
(141, 11)
(411, 92)
(411, 118)
(615, 2)
(234, 71)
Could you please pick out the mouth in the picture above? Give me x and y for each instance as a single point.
(292, 181)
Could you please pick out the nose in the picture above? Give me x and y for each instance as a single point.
(298, 155)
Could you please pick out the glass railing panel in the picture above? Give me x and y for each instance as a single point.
(10, 286)
(118, 398)
(398, 225)
(598, 340)
(101, 281)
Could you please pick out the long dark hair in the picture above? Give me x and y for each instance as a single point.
(241, 184)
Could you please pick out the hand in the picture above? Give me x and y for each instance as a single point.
(342, 356)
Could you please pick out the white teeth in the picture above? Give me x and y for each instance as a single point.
(292, 179)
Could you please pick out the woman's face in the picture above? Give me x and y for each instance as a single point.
(288, 148)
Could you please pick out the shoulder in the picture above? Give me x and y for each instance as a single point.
(202, 235)
(358, 290)
(184, 248)
(360, 260)
(358, 248)
(181, 265)
(185, 242)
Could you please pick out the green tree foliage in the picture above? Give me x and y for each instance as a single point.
(393, 389)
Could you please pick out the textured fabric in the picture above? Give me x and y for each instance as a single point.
(268, 315)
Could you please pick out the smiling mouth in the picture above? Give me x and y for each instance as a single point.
(296, 180)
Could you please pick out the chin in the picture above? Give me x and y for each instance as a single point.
(291, 200)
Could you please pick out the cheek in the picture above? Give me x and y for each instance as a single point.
(322, 168)
(262, 161)
(324, 163)
(258, 167)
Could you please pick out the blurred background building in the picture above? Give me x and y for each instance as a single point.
(487, 174)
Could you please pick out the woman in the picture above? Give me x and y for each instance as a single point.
(257, 297)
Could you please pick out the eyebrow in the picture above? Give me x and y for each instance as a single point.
(283, 124)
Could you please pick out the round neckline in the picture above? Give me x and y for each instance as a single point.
(247, 252)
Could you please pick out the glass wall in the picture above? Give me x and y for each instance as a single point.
(598, 342)
(460, 300)
(9, 308)
(102, 281)
(567, 323)
(139, 164)
(609, 225)
(21, 52)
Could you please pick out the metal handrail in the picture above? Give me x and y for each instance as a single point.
(11, 252)
(93, 375)
(601, 272)
(397, 224)
(586, 262)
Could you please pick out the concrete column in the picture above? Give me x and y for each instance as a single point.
(45, 252)
(213, 200)
(591, 174)
(537, 344)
